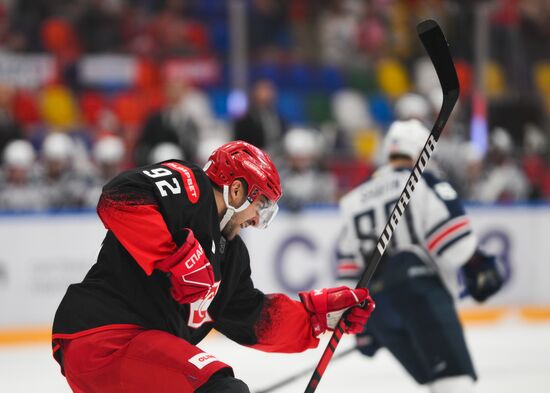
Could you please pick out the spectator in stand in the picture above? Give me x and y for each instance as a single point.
(5, 36)
(165, 151)
(373, 35)
(351, 114)
(262, 125)
(268, 27)
(98, 27)
(9, 129)
(534, 15)
(177, 33)
(19, 189)
(413, 106)
(27, 17)
(303, 176)
(64, 186)
(338, 32)
(504, 180)
(187, 112)
(533, 162)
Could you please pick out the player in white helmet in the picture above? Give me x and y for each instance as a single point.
(304, 179)
(19, 155)
(108, 153)
(413, 106)
(65, 187)
(504, 180)
(165, 151)
(108, 156)
(417, 277)
(19, 189)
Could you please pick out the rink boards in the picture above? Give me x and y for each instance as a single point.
(43, 253)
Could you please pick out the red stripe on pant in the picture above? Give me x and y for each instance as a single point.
(136, 361)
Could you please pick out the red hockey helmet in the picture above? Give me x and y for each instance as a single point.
(241, 160)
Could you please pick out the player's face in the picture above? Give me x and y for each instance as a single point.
(248, 217)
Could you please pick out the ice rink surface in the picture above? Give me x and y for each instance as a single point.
(510, 357)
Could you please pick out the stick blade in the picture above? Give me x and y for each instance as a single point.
(436, 46)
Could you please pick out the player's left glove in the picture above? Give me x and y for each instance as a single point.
(189, 270)
(327, 305)
(482, 276)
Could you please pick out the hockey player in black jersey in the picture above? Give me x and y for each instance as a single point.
(417, 277)
(171, 268)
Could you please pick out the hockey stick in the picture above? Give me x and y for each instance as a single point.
(300, 374)
(437, 48)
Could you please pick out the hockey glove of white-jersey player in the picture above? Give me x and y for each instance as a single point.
(482, 276)
(327, 305)
(191, 274)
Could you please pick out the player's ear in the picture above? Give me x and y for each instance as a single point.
(237, 192)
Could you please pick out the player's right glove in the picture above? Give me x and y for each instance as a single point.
(481, 275)
(190, 271)
(327, 305)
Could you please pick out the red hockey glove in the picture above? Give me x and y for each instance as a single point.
(191, 274)
(327, 305)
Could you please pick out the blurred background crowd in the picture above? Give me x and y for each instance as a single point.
(92, 87)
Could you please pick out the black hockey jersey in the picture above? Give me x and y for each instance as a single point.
(146, 211)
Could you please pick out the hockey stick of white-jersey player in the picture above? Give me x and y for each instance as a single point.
(302, 373)
(437, 48)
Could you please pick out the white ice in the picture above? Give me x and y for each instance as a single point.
(510, 357)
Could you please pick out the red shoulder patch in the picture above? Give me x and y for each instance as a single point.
(189, 181)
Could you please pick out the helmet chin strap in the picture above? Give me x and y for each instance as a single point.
(230, 209)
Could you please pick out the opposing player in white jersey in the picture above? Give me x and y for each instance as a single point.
(416, 279)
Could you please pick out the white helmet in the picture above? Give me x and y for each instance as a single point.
(207, 146)
(19, 154)
(501, 140)
(534, 139)
(412, 106)
(109, 150)
(302, 142)
(165, 151)
(406, 137)
(58, 147)
(350, 110)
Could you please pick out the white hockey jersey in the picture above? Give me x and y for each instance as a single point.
(434, 225)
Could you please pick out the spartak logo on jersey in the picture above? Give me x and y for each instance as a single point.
(189, 181)
(198, 311)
